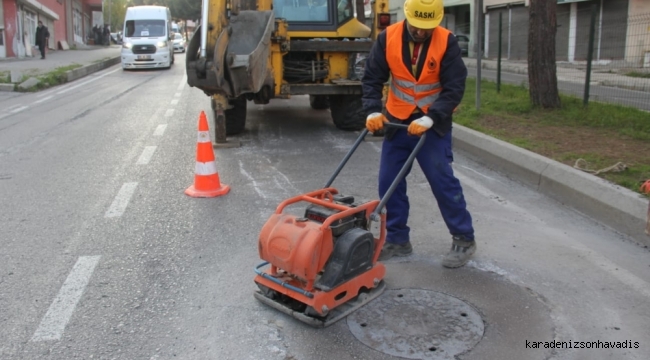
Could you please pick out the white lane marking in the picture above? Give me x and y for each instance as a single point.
(375, 146)
(13, 107)
(477, 172)
(59, 92)
(182, 84)
(177, 94)
(87, 82)
(51, 91)
(160, 130)
(488, 267)
(121, 200)
(174, 102)
(55, 320)
(624, 276)
(467, 182)
(252, 180)
(618, 272)
(146, 155)
(19, 109)
(14, 111)
(43, 99)
(169, 113)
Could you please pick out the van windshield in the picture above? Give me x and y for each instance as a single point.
(145, 28)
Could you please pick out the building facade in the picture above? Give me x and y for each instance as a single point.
(621, 30)
(67, 20)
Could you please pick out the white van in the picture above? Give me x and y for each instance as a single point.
(147, 41)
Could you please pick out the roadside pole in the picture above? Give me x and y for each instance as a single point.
(590, 53)
(499, 54)
(477, 44)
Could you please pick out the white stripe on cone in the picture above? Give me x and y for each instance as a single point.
(204, 137)
(205, 168)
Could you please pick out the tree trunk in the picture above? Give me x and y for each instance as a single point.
(542, 72)
(361, 15)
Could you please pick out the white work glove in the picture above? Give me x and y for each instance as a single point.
(419, 126)
(375, 122)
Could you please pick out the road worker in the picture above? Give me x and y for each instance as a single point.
(422, 62)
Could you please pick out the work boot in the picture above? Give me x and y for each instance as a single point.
(389, 250)
(461, 250)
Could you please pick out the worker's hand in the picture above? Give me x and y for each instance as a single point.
(375, 122)
(419, 126)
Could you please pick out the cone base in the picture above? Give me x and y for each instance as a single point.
(193, 192)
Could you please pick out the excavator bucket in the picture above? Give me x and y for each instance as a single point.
(248, 51)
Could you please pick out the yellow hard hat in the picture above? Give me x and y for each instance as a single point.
(424, 14)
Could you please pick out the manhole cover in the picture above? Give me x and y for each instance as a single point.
(417, 324)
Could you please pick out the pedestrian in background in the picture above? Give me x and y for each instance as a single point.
(423, 63)
(107, 35)
(95, 37)
(42, 38)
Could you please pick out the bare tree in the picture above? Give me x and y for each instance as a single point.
(542, 70)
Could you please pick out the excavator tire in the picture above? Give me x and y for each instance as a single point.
(319, 102)
(347, 112)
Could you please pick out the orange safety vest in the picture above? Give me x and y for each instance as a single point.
(406, 93)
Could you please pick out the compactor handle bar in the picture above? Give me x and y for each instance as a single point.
(400, 175)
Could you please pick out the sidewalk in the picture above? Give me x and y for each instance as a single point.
(92, 59)
(571, 73)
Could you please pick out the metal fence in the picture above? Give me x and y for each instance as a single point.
(619, 70)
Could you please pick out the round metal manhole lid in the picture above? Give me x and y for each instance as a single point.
(417, 324)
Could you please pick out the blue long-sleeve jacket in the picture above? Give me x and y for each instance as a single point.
(453, 74)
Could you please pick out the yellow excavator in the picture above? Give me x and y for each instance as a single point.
(259, 50)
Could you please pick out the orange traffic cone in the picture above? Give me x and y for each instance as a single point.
(206, 177)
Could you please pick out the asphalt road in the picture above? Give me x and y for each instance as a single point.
(607, 94)
(103, 256)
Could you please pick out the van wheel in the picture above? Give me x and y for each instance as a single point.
(347, 112)
(236, 116)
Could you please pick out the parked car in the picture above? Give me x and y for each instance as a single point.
(463, 43)
(116, 38)
(179, 42)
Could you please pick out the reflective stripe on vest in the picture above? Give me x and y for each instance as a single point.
(422, 102)
(406, 93)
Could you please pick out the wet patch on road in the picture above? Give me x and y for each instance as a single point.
(500, 316)
(418, 324)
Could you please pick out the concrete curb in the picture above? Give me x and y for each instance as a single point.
(7, 87)
(504, 67)
(89, 69)
(76, 73)
(617, 207)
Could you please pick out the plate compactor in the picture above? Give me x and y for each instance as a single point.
(322, 266)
